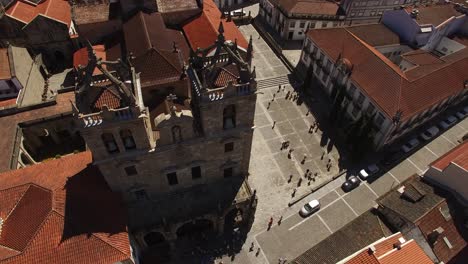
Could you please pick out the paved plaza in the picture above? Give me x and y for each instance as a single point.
(271, 168)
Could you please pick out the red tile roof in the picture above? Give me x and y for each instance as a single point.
(458, 155)
(58, 10)
(5, 71)
(433, 220)
(390, 88)
(109, 98)
(202, 31)
(433, 14)
(409, 253)
(227, 74)
(312, 7)
(67, 215)
(382, 246)
(80, 57)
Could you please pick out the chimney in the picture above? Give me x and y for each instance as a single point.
(398, 244)
(371, 250)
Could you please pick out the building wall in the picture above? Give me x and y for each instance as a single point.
(356, 106)
(370, 11)
(290, 27)
(230, 4)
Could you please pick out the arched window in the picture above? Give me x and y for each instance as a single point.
(176, 134)
(109, 142)
(127, 139)
(229, 117)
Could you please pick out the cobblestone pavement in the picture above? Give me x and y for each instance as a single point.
(266, 63)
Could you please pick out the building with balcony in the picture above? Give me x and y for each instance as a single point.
(381, 86)
(292, 18)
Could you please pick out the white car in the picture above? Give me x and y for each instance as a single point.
(430, 133)
(410, 145)
(448, 122)
(310, 208)
(238, 12)
(462, 113)
(370, 170)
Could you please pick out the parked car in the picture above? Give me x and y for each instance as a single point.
(350, 184)
(430, 133)
(448, 122)
(238, 12)
(369, 171)
(462, 113)
(310, 208)
(410, 145)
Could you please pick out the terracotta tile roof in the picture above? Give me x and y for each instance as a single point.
(5, 71)
(80, 57)
(365, 256)
(29, 213)
(408, 210)
(375, 34)
(361, 232)
(155, 67)
(390, 88)
(67, 215)
(202, 31)
(433, 14)
(433, 220)
(458, 155)
(226, 75)
(166, 6)
(8, 102)
(58, 10)
(145, 31)
(9, 199)
(109, 98)
(409, 253)
(309, 7)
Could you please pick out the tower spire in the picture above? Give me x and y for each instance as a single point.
(249, 50)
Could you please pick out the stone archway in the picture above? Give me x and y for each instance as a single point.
(195, 228)
(158, 248)
(232, 220)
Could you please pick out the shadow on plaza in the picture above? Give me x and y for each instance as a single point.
(319, 106)
(207, 247)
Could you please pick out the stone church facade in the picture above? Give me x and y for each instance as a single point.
(182, 163)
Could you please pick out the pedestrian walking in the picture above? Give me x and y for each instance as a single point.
(294, 192)
(280, 219)
(251, 247)
(258, 252)
(311, 129)
(270, 223)
(279, 88)
(282, 145)
(287, 95)
(323, 154)
(290, 178)
(287, 144)
(274, 124)
(299, 182)
(268, 106)
(307, 114)
(304, 159)
(289, 153)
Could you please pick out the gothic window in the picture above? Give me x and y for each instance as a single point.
(109, 141)
(176, 134)
(127, 139)
(229, 117)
